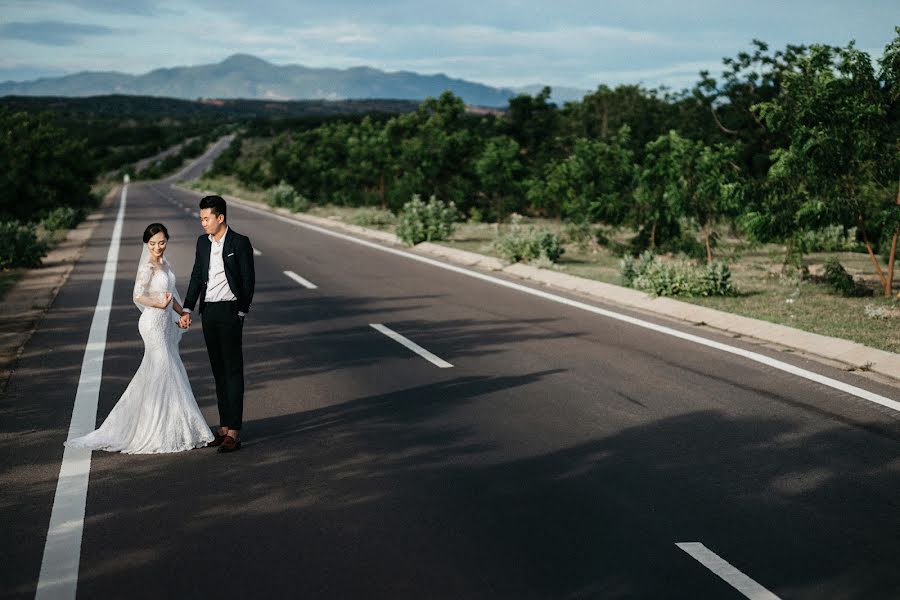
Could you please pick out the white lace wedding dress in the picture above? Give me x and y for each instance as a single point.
(158, 411)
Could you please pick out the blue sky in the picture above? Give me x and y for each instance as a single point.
(504, 43)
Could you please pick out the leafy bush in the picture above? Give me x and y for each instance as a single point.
(281, 195)
(550, 245)
(529, 245)
(514, 246)
(374, 217)
(676, 278)
(301, 204)
(19, 246)
(63, 217)
(420, 222)
(284, 195)
(832, 238)
(838, 279)
(718, 279)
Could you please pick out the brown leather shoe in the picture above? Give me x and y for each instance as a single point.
(217, 440)
(229, 444)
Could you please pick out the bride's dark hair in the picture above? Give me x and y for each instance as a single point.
(153, 229)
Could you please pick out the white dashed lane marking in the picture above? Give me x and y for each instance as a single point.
(304, 282)
(438, 362)
(726, 571)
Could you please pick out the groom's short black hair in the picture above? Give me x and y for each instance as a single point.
(216, 204)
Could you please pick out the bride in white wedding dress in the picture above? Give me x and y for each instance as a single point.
(158, 411)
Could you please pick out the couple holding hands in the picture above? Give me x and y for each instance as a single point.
(158, 411)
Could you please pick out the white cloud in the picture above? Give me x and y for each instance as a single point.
(677, 76)
(355, 39)
(506, 43)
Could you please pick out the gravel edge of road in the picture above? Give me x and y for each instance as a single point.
(24, 307)
(845, 354)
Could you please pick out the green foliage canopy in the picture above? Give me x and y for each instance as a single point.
(41, 167)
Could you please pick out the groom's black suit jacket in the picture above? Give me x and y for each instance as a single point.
(237, 254)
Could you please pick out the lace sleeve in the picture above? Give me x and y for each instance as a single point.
(142, 283)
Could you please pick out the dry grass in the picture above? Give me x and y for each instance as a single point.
(764, 293)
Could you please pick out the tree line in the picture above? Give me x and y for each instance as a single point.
(52, 149)
(784, 142)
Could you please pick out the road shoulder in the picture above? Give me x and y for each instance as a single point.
(29, 300)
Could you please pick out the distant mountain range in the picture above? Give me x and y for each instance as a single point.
(249, 77)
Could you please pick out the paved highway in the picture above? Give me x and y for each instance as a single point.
(514, 447)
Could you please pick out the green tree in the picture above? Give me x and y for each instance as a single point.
(592, 184)
(435, 151)
(41, 167)
(368, 158)
(713, 189)
(499, 170)
(602, 113)
(747, 79)
(842, 154)
(889, 77)
(534, 123)
(660, 191)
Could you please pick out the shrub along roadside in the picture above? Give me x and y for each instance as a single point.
(420, 222)
(20, 246)
(676, 278)
(839, 280)
(63, 217)
(284, 195)
(529, 245)
(23, 245)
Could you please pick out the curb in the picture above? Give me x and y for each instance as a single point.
(28, 301)
(852, 355)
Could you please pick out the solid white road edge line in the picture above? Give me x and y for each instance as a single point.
(726, 571)
(62, 551)
(754, 356)
(304, 282)
(435, 360)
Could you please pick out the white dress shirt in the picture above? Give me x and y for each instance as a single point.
(217, 289)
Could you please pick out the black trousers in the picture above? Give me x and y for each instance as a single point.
(222, 330)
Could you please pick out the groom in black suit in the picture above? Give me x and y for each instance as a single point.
(223, 280)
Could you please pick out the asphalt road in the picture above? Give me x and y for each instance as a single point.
(563, 455)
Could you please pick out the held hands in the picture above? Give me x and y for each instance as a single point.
(185, 320)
